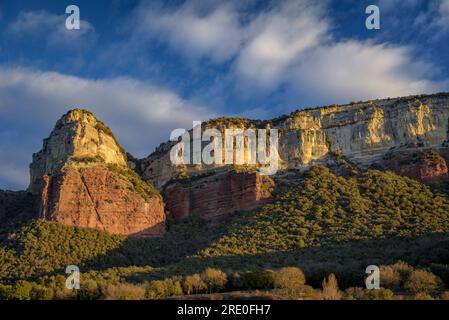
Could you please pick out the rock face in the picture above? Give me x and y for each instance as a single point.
(82, 179)
(424, 165)
(361, 132)
(77, 136)
(218, 195)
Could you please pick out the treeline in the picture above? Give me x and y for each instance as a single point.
(399, 281)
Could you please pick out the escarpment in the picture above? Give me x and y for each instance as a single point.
(214, 196)
(361, 133)
(81, 178)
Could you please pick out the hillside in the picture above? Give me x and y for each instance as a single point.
(318, 221)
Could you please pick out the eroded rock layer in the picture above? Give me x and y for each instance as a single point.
(96, 197)
(361, 132)
(82, 179)
(217, 195)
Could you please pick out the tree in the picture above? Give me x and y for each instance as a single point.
(290, 279)
(214, 279)
(421, 281)
(330, 288)
(193, 284)
(124, 291)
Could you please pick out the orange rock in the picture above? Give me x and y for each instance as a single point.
(99, 198)
(218, 195)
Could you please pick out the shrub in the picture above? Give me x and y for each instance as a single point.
(290, 279)
(22, 290)
(442, 271)
(39, 292)
(444, 295)
(124, 291)
(403, 268)
(380, 294)
(390, 278)
(421, 281)
(214, 279)
(422, 296)
(5, 292)
(254, 279)
(393, 276)
(194, 284)
(330, 288)
(89, 290)
(355, 293)
(164, 288)
(157, 290)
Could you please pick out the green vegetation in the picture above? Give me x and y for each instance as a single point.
(318, 224)
(43, 247)
(87, 159)
(224, 122)
(146, 190)
(326, 210)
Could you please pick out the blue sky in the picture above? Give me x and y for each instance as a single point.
(149, 67)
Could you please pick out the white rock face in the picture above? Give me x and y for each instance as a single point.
(362, 132)
(78, 135)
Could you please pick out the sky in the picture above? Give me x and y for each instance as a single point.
(146, 68)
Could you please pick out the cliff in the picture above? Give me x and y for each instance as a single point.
(82, 179)
(362, 133)
(82, 176)
(217, 195)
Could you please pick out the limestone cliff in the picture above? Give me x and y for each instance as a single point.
(361, 132)
(82, 178)
(77, 136)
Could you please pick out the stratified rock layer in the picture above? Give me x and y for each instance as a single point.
(424, 165)
(77, 136)
(217, 195)
(95, 197)
(82, 179)
(361, 132)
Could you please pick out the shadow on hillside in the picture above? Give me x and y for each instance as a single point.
(348, 261)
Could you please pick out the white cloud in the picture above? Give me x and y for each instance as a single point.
(277, 38)
(443, 14)
(42, 24)
(264, 45)
(140, 114)
(215, 34)
(353, 70)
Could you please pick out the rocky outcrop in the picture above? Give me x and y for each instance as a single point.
(217, 195)
(77, 136)
(362, 132)
(424, 165)
(82, 179)
(97, 197)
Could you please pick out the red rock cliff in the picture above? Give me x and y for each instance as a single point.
(217, 195)
(423, 165)
(82, 179)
